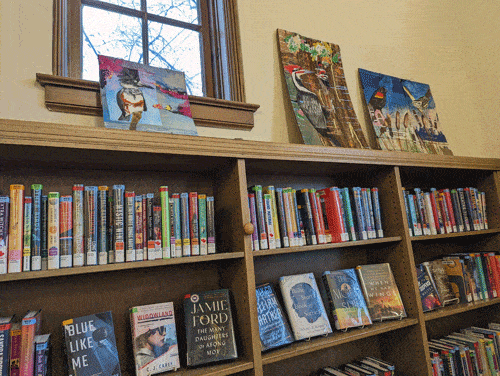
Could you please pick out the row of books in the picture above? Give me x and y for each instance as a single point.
(23, 350)
(356, 298)
(285, 217)
(472, 351)
(101, 225)
(368, 366)
(459, 278)
(445, 211)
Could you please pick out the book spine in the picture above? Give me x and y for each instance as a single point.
(417, 226)
(372, 213)
(172, 227)
(130, 253)
(150, 234)
(15, 246)
(166, 235)
(456, 210)
(186, 244)
(78, 226)
(451, 213)
(307, 217)
(145, 226)
(26, 360)
(358, 206)
(483, 205)
(296, 214)
(479, 208)
(446, 215)
(66, 231)
(53, 233)
(268, 219)
(470, 212)
(495, 275)
(475, 209)
(178, 225)
(333, 214)
(482, 277)
(4, 232)
(202, 213)
(36, 256)
(44, 229)
(259, 205)
(407, 211)
(463, 209)
(4, 348)
(118, 223)
(41, 366)
(377, 212)
(342, 216)
(428, 205)
(28, 204)
(274, 209)
(438, 218)
(90, 228)
(282, 218)
(111, 228)
(194, 224)
(420, 206)
(15, 351)
(139, 239)
(157, 230)
(316, 214)
(253, 220)
(366, 214)
(288, 214)
(102, 223)
(488, 270)
(212, 244)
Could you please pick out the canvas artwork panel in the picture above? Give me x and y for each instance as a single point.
(403, 114)
(139, 97)
(318, 92)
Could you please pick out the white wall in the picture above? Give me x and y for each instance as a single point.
(450, 45)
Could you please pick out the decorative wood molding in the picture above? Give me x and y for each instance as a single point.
(77, 96)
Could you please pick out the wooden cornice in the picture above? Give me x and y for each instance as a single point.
(77, 96)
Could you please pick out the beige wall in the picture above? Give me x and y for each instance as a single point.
(452, 46)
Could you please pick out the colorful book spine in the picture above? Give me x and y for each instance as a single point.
(478, 206)
(194, 224)
(130, 254)
(274, 210)
(436, 212)
(178, 226)
(346, 201)
(53, 231)
(102, 224)
(253, 220)
(28, 204)
(111, 228)
(360, 217)
(463, 209)
(5, 328)
(15, 349)
(482, 276)
(259, 205)
(407, 211)
(118, 225)
(377, 212)
(285, 241)
(417, 226)
(186, 243)
(333, 213)
(212, 244)
(288, 215)
(455, 201)
(446, 214)
(483, 205)
(268, 219)
(202, 213)
(470, 212)
(145, 227)
(42, 355)
(66, 231)
(477, 219)
(78, 226)
(157, 214)
(317, 217)
(307, 217)
(150, 234)
(295, 209)
(139, 240)
(44, 230)
(172, 226)
(370, 230)
(30, 327)
(90, 226)
(371, 213)
(36, 216)
(428, 206)
(420, 206)
(4, 232)
(166, 235)
(15, 245)
(451, 213)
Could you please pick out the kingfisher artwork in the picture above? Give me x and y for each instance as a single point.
(403, 114)
(318, 92)
(139, 97)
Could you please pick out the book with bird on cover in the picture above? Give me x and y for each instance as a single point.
(318, 92)
(139, 97)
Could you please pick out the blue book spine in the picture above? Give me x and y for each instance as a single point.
(426, 230)
(417, 227)
(457, 210)
(470, 211)
(367, 215)
(259, 205)
(44, 251)
(358, 206)
(377, 213)
(36, 256)
(408, 214)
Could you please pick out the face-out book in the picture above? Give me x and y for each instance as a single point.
(90, 345)
(274, 328)
(304, 306)
(154, 338)
(347, 303)
(381, 292)
(209, 327)
(428, 293)
(441, 281)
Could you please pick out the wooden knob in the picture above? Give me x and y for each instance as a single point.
(248, 228)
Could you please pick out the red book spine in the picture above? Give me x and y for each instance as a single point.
(333, 214)
(15, 350)
(451, 212)
(435, 213)
(492, 264)
(320, 232)
(29, 328)
(444, 210)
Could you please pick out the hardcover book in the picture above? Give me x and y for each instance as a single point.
(42, 355)
(381, 292)
(90, 345)
(428, 293)
(15, 348)
(347, 303)
(154, 338)
(209, 327)
(441, 282)
(304, 306)
(5, 326)
(31, 325)
(454, 269)
(273, 324)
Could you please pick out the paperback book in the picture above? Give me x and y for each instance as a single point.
(428, 293)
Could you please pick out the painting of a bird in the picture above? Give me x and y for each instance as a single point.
(379, 99)
(420, 103)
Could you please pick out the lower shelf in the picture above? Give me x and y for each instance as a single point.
(216, 370)
(334, 339)
(459, 308)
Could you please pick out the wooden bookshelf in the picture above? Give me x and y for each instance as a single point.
(59, 156)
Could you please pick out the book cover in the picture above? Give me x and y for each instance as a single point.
(31, 325)
(440, 279)
(456, 277)
(274, 328)
(5, 327)
(428, 293)
(304, 306)
(209, 327)
(42, 355)
(381, 292)
(90, 345)
(347, 303)
(154, 338)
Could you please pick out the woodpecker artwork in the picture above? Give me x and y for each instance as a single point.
(379, 99)
(130, 98)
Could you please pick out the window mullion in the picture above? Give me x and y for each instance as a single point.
(145, 34)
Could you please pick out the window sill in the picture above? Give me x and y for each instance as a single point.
(76, 96)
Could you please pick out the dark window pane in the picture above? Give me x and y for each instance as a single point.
(181, 10)
(178, 49)
(111, 34)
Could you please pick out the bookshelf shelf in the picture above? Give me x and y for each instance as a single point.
(232, 368)
(454, 235)
(309, 248)
(459, 308)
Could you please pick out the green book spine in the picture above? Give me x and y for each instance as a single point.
(479, 265)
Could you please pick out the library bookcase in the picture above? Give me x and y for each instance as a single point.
(59, 156)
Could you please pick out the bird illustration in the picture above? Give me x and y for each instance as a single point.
(130, 98)
(308, 101)
(378, 99)
(421, 103)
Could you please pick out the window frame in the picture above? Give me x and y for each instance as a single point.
(223, 75)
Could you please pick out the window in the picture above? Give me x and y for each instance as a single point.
(198, 37)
